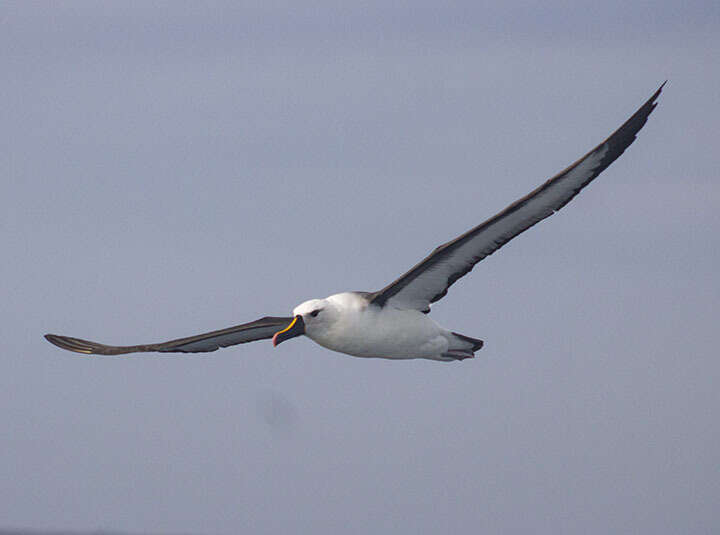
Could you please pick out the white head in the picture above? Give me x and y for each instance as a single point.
(317, 317)
(311, 317)
(317, 314)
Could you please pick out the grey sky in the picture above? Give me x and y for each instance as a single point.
(172, 169)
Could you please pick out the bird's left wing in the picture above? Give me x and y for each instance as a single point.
(239, 334)
(429, 280)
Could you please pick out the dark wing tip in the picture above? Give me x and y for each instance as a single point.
(624, 136)
(641, 115)
(71, 344)
(78, 345)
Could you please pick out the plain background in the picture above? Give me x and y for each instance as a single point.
(173, 168)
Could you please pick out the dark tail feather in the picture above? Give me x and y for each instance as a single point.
(476, 343)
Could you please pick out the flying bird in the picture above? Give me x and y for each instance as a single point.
(393, 322)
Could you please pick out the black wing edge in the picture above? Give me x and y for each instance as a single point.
(87, 347)
(617, 142)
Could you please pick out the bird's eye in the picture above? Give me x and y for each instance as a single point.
(314, 313)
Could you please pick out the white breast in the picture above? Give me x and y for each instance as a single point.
(371, 331)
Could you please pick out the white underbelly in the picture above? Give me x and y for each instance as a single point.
(386, 333)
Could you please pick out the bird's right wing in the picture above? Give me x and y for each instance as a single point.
(200, 343)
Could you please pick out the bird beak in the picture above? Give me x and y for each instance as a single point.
(296, 328)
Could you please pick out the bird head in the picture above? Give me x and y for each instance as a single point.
(309, 317)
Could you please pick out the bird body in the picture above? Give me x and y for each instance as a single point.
(393, 322)
(349, 323)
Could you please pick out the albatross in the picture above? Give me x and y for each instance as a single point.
(393, 322)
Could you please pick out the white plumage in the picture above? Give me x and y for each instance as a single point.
(348, 324)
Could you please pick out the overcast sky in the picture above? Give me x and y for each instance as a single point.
(172, 169)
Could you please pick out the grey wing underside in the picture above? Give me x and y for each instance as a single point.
(201, 343)
(429, 280)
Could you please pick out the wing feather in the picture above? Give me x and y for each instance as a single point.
(429, 280)
(201, 343)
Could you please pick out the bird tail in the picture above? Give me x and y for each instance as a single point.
(466, 342)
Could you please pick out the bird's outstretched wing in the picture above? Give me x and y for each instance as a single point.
(429, 280)
(240, 334)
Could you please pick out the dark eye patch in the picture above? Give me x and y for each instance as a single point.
(314, 313)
